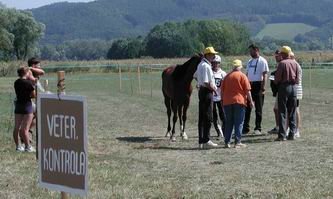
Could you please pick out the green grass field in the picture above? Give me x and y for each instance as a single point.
(129, 157)
(284, 31)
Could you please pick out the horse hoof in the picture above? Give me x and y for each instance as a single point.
(184, 136)
(168, 134)
(173, 138)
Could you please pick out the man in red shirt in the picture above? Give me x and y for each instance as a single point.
(286, 78)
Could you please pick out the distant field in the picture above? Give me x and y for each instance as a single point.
(286, 31)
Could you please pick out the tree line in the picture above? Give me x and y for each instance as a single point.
(126, 18)
(167, 40)
(20, 33)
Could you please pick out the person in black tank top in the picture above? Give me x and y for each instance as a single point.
(24, 90)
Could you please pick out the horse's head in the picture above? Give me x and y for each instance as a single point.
(188, 68)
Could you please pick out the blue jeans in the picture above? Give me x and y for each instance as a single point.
(234, 114)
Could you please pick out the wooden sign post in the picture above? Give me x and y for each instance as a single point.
(62, 141)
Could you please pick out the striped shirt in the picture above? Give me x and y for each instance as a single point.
(299, 89)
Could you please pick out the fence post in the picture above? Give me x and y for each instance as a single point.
(310, 80)
(119, 72)
(130, 78)
(46, 85)
(61, 82)
(139, 79)
(61, 90)
(151, 82)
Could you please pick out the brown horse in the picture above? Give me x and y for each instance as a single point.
(177, 90)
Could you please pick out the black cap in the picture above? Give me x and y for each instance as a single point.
(33, 61)
(254, 47)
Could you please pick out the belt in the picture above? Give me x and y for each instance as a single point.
(204, 88)
(289, 82)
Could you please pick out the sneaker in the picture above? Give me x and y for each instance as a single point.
(274, 130)
(19, 148)
(287, 132)
(240, 145)
(210, 144)
(227, 146)
(257, 132)
(297, 134)
(30, 149)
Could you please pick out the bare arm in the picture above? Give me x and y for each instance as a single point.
(33, 94)
(31, 77)
(37, 71)
(211, 86)
(263, 83)
(249, 97)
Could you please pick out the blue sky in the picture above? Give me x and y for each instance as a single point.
(26, 4)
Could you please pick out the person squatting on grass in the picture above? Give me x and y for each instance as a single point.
(257, 69)
(218, 113)
(24, 90)
(236, 91)
(286, 77)
(206, 83)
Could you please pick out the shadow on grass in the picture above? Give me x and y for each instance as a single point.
(157, 147)
(155, 143)
(163, 143)
(135, 139)
(260, 140)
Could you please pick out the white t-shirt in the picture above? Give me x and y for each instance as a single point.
(204, 73)
(219, 76)
(255, 68)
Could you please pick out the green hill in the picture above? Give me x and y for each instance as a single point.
(284, 31)
(110, 19)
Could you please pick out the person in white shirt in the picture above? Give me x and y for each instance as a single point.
(299, 96)
(206, 84)
(218, 113)
(257, 70)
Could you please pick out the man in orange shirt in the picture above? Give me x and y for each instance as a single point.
(236, 91)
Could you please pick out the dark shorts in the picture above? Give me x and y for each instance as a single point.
(23, 108)
(297, 103)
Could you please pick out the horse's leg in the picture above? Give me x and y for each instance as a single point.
(174, 110)
(180, 109)
(167, 103)
(184, 117)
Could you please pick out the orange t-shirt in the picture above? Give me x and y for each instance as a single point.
(235, 87)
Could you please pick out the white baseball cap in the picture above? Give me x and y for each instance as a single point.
(217, 58)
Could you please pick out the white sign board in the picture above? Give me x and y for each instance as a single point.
(62, 143)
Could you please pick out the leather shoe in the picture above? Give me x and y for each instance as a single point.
(291, 137)
(279, 139)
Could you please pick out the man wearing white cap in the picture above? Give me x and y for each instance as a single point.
(286, 77)
(236, 90)
(206, 83)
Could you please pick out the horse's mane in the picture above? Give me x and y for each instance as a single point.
(180, 70)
